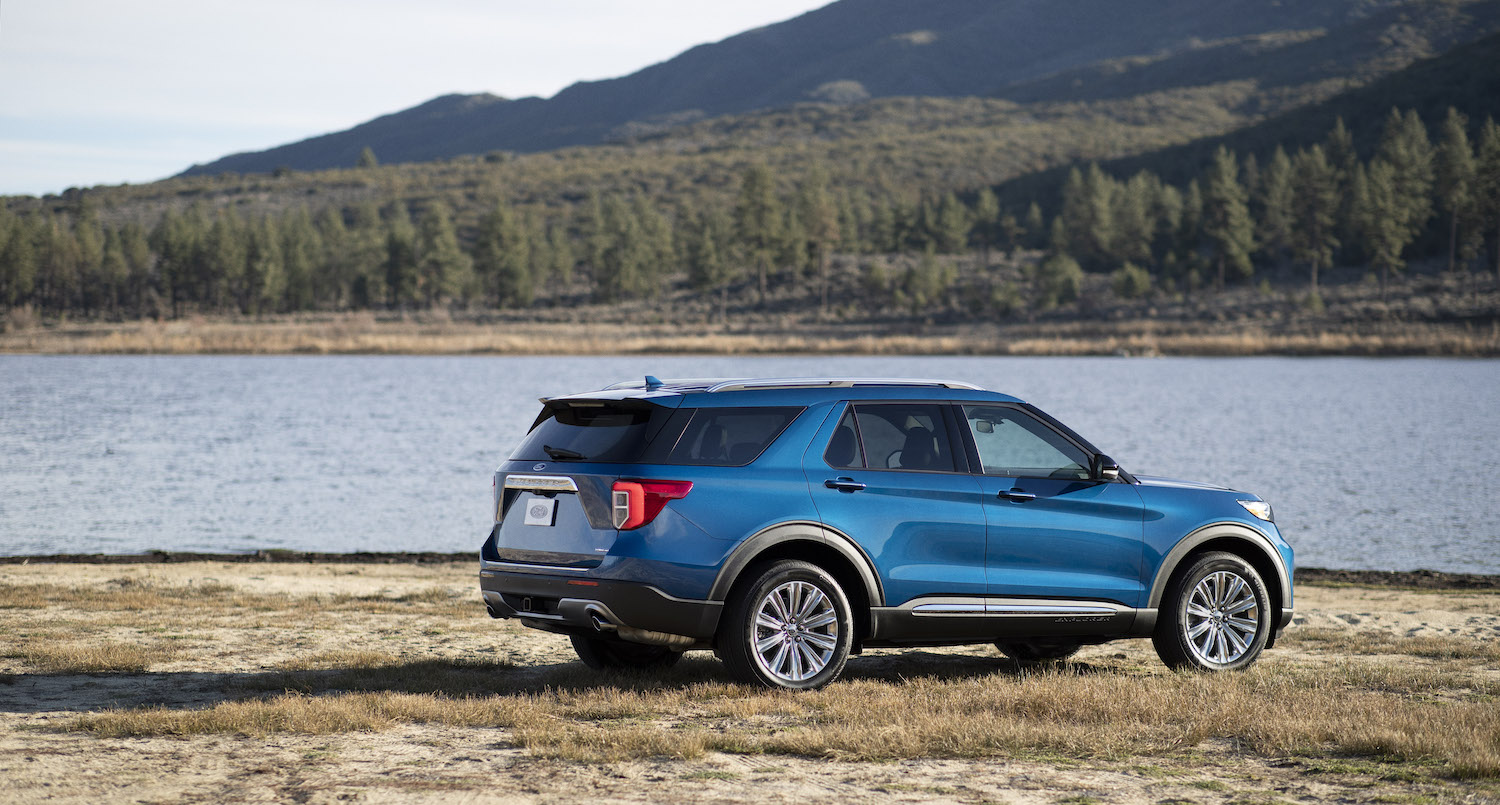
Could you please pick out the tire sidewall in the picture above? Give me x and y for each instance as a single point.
(1182, 588)
(741, 653)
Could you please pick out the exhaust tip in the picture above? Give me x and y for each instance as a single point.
(600, 623)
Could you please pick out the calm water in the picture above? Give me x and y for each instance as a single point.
(1387, 464)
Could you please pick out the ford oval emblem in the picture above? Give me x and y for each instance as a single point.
(538, 467)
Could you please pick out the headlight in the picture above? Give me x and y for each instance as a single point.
(1259, 508)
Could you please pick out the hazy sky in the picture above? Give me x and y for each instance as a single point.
(102, 92)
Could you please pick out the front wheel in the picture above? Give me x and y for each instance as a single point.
(789, 627)
(616, 655)
(1216, 616)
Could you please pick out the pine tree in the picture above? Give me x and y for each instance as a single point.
(502, 257)
(1035, 225)
(400, 257)
(1338, 148)
(561, 246)
(301, 257)
(1132, 217)
(1405, 148)
(1455, 178)
(333, 282)
(265, 272)
(114, 270)
(1314, 212)
(1382, 213)
(17, 259)
(224, 260)
(443, 268)
(1226, 218)
(988, 227)
(819, 216)
(1487, 183)
(1274, 201)
(709, 268)
(366, 158)
(758, 219)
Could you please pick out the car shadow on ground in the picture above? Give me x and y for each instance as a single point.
(86, 692)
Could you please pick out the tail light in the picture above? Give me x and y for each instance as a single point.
(636, 503)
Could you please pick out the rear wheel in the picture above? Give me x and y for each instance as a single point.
(616, 655)
(790, 627)
(1215, 616)
(1030, 652)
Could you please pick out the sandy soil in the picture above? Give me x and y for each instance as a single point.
(221, 651)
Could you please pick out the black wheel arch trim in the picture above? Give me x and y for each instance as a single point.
(1186, 546)
(797, 531)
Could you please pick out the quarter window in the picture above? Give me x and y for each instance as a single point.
(730, 437)
(1013, 443)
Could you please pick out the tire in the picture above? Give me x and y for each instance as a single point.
(1032, 652)
(1215, 616)
(760, 643)
(617, 655)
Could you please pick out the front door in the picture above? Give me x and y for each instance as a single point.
(893, 478)
(1053, 532)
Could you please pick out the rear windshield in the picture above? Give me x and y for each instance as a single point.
(642, 433)
(609, 432)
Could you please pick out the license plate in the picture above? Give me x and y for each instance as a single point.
(541, 511)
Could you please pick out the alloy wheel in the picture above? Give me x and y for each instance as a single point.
(796, 631)
(1222, 617)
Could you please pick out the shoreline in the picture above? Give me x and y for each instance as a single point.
(1411, 579)
(432, 334)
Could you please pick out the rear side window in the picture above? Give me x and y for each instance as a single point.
(903, 436)
(606, 432)
(730, 437)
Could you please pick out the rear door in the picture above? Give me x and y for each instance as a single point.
(1052, 531)
(893, 477)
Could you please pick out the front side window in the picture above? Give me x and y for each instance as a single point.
(904, 436)
(1013, 443)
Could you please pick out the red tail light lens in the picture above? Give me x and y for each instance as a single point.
(636, 503)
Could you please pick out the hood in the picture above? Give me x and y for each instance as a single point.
(1173, 483)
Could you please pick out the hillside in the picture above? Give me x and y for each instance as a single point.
(1466, 78)
(852, 50)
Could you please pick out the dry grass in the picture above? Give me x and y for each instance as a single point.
(94, 658)
(363, 333)
(1435, 647)
(1357, 709)
(131, 595)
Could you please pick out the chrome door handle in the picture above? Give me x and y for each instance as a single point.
(1017, 495)
(844, 484)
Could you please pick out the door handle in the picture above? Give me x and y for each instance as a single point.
(1017, 495)
(844, 484)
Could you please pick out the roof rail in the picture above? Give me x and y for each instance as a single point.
(835, 382)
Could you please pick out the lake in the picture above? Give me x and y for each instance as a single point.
(1386, 464)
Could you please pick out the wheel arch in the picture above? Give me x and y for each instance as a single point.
(809, 542)
(1240, 540)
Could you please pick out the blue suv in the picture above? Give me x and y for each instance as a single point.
(788, 523)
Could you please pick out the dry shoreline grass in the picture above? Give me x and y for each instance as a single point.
(364, 333)
(388, 682)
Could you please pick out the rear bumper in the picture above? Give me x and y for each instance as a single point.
(624, 610)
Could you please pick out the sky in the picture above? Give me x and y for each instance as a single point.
(102, 92)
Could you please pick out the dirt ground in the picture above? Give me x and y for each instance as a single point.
(207, 655)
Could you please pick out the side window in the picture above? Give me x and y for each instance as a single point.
(904, 436)
(730, 437)
(843, 450)
(1014, 443)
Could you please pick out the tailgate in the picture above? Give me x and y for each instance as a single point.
(558, 520)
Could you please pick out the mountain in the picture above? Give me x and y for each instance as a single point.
(1466, 78)
(853, 50)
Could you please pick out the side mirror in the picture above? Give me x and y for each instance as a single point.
(1104, 468)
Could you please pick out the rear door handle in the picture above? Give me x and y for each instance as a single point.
(844, 484)
(1017, 495)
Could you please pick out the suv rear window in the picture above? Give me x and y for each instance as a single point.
(607, 432)
(730, 437)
